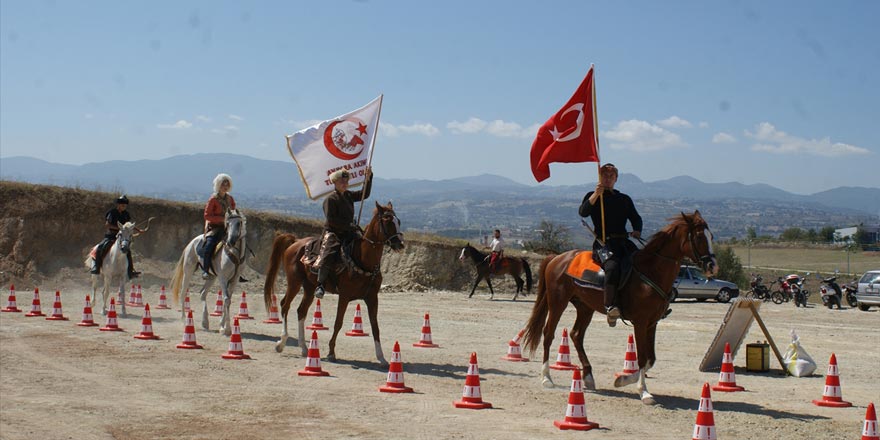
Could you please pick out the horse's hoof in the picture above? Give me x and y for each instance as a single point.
(279, 346)
(331, 357)
(589, 383)
(623, 381)
(649, 400)
(547, 383)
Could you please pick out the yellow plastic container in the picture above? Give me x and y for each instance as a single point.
(758, 356)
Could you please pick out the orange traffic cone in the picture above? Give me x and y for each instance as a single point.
(35, 305)
(57, 314)
(727, 379)
(147, 325)
(218, 306)
(132, 296)
(139, 297)
(425, 340)
(576, 411)
(394, 384)
(318, 319)
(832, 395)
(563, 358)
(11, 305)
(87, 320)
(120, 297)
(111, 325)
(163, 300)
(243, 308)
(236, 349)
(514, 351)
(273, 312)
(313, 361)
(870, 431)
(357, 327)
(704, 428)
(189, 334)
(630, 360)
(471, 397)
(186, 305)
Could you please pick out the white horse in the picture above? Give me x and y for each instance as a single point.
(227, 263)
(115, 265)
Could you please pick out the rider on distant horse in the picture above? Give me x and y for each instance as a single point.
(218, 205)
(619, 208)
(111, 221)
(339, 226)
(497, 247)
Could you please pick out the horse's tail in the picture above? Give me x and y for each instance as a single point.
(281, 243)
(528, 270)
(534, 328)
(177, 278)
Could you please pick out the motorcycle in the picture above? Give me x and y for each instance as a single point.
(831, 293)
(792, 287)
(850, 289)
(758, 289)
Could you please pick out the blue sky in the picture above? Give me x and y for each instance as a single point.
(783, 93)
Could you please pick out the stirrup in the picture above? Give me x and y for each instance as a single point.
(319, 291)
(134, 274)
(612, 315)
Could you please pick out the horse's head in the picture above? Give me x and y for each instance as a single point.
(236, 226)
(388, 226)
(464, 252)
(698, 243)
(126, 232)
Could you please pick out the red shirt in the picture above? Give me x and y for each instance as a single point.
(215, 212)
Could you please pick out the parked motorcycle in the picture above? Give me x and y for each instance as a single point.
(758, 289)
(850, 290)
(792, 287)
(831, 293)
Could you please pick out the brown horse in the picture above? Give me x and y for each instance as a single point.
(360, 281)
(507, 265)
(643, 300)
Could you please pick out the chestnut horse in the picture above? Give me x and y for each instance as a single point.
(507, 265)
(643, 300)
(361, 281)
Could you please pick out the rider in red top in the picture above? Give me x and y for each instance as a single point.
(218, 205)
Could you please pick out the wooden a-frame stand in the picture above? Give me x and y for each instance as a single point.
(733, 330)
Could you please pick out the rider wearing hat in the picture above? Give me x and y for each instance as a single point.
(218, 205)
(339, 225)
(112, 219)
(618, 209)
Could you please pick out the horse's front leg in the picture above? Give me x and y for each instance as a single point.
(372, 302)
(578, 331)
(477, 281)
(225, 328)
(206, 322)
(337, 325)
(301, 312)
(641, 335)
(519, 287)
(553, 317)
(105, 294)
(121, 297)
(644, 395)
(491, 291)
(286, 301)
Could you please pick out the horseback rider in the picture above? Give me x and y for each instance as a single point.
(112, 219)
(218, 205)
(339, 226)
(618, 208)
(497, 247)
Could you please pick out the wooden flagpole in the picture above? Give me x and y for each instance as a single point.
(370, 160)
(598, 158)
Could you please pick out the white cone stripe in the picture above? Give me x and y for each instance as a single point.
(470, 391)
(395, 377)
(705, 405)
(832, 391)
(473, 370)
(313, 362)
(235, 347)
(189, 337)
(576, 411)
(870, 429)
(726, 359)
(563, 358)
(704, 432)
(395, 357)
(577, 386)
(727, 378)
(630, 365)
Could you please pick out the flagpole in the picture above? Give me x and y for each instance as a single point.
(598, 158)
(370, 160)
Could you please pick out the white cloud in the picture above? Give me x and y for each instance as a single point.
(771, 140)
(179, 125)
(704, 124)
(203, 118)
(723, 138)
(392, 130)
(675, 122)
(236, 118)
(504, 129)
(639, 135)
(472, 125)
(228, 130)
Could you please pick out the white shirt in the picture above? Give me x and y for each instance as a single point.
(497, 245)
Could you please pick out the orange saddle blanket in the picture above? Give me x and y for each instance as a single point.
(584, 268)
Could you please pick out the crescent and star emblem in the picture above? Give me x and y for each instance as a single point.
(579, 107)
(344, 138)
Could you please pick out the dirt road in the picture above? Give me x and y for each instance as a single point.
(60, 381)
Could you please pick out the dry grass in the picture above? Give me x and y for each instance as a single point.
(823, 261)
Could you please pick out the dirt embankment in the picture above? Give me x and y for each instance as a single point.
(46, 231)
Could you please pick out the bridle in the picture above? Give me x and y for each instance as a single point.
(386, 217)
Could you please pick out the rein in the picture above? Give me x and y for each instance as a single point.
(355, 267)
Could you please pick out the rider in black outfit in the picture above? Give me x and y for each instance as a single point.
(112, 219)
(619, 209)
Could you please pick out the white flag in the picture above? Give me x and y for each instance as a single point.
(344, 142)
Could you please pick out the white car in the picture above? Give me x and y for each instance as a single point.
(868, 294)
(691, 283)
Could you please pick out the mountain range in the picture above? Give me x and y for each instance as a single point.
(454, 203)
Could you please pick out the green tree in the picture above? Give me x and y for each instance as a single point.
(812, 236)
(730, 268)
(792, 234)
(553, 238)
(861, 236)
(827, 233)
(751, 233)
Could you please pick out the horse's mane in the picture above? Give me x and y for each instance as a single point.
(659, 239)
(476, 251)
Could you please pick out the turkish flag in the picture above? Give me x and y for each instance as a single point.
(569, 136)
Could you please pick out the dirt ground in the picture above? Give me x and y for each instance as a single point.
(60, 381)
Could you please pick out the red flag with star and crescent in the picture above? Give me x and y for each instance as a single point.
(570, 135)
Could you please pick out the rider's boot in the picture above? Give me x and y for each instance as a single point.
(131, 272)
(96, 267)
(323, 273)
(612, 313)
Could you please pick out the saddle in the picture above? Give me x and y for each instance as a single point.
(312, 250)
(94, 252)
(586, 272)
(200, 250)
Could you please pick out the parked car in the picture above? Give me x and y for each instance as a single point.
(868, 294)
(691, 283)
